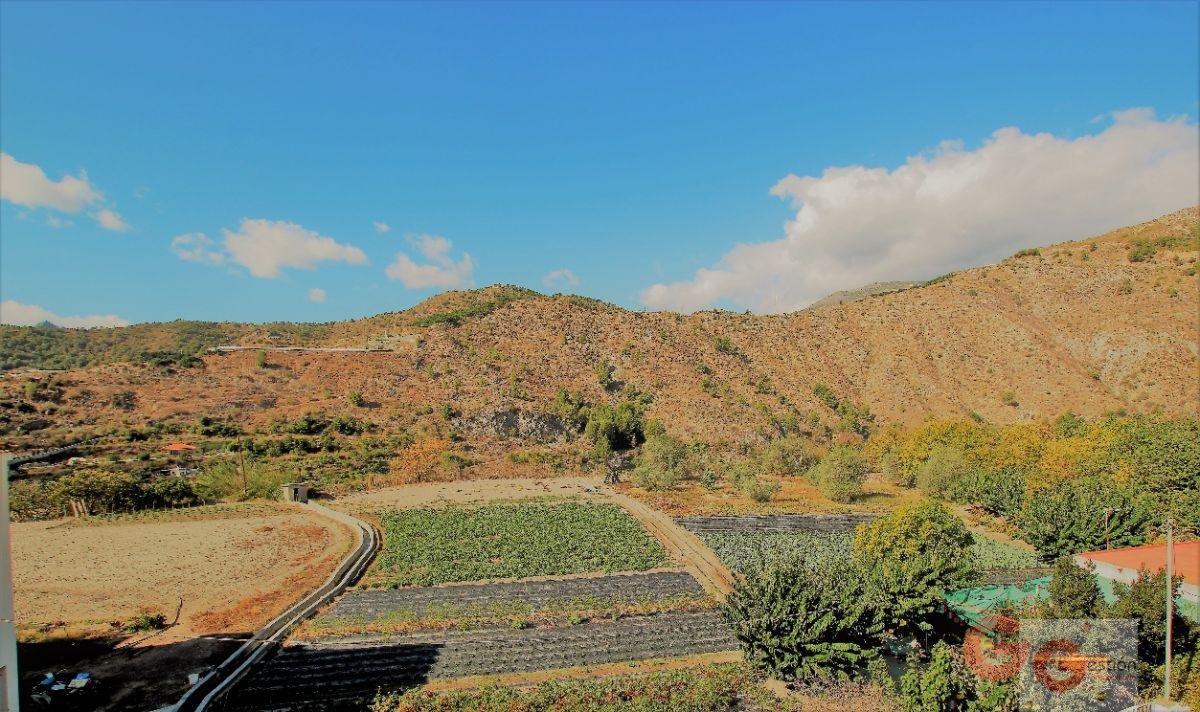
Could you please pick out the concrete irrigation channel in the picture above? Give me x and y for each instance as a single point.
(347, 675)
(209, 690)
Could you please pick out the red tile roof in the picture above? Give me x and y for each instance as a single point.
(1153, 557)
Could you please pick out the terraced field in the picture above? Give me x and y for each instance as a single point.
(379, 614)
(345, 675)
(512, 598)
(423, 547)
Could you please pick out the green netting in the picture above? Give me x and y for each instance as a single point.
(976, 606)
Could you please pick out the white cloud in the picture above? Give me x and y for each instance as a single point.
(26, 184)
(56, 222)
(265, 247)
(560, 278)
(316, 295)
(196, 247)
(951, 208)
(381, 227)
(18, 314)
(441, 271)
(110, 220)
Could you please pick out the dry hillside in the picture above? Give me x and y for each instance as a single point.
(1090, 326)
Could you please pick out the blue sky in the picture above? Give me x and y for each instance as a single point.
(635, 145)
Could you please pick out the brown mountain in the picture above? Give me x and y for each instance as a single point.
(1096, 325)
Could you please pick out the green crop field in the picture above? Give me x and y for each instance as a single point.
(422, 547)
(744, 551)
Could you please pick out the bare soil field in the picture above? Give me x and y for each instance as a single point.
(76, 582)
(81, 573)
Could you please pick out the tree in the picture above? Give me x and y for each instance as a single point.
(909, 558)
(1144, 600)
(803, 624)
(946, 684)
(840, 475)
(260, 358)
(1082, 514)
(1073, 590)
(946, 466)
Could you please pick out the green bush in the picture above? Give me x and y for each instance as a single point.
(103, 492)
(237, 481)
(803, 624)
(943, 470)
(1082, 514)
(307, 424)
(213, 428)
(604, 374)
(355, 398)
(615, 428)
(172, 492)
(909, 558)
(571, 408)
(663, 463)
(946, 684)
(840, 475)
(1144, 601)
(788, 456)
(1073, 591)
(1000, 491)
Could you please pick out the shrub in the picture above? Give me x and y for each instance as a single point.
(723, 344)
(307, 424)
(945, 467)
(355, 398)
(761, 491)
(571, 408)
(615, 428)
(663, 463)
(213, 428)
(260, 359)
(1028, 252)
(909, 558)
(172, 492)
(102, 492)
(1000, 491)
(802, 624)
(840, 474)
(604, 374)
(788, 456)
(1073, 591)
(125, 400)
(34, 499)
(946, 684)
(1081, 515)
(240, 481)
(349, 425)
(145, 621)
(1144, 601)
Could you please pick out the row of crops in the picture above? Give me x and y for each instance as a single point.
(744, 551)
(423, 547)
(344, 676)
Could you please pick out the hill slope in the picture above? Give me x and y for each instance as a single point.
(1090, 326)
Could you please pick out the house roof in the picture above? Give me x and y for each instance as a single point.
(1153, 557)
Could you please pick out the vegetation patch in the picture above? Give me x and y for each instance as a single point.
(423, 547)
(710, 687)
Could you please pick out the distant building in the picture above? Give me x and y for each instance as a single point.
(1124, 564)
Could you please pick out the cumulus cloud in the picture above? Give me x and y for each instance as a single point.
(196, 247)
(18, 314)
(27, 184)
(110, 220)
(440, 269)
(951, 208)
(265, 247)
(560, 278)
(316, 295)
(381, 227)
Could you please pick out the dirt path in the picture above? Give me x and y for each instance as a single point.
(471, 492)
(684, 546)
